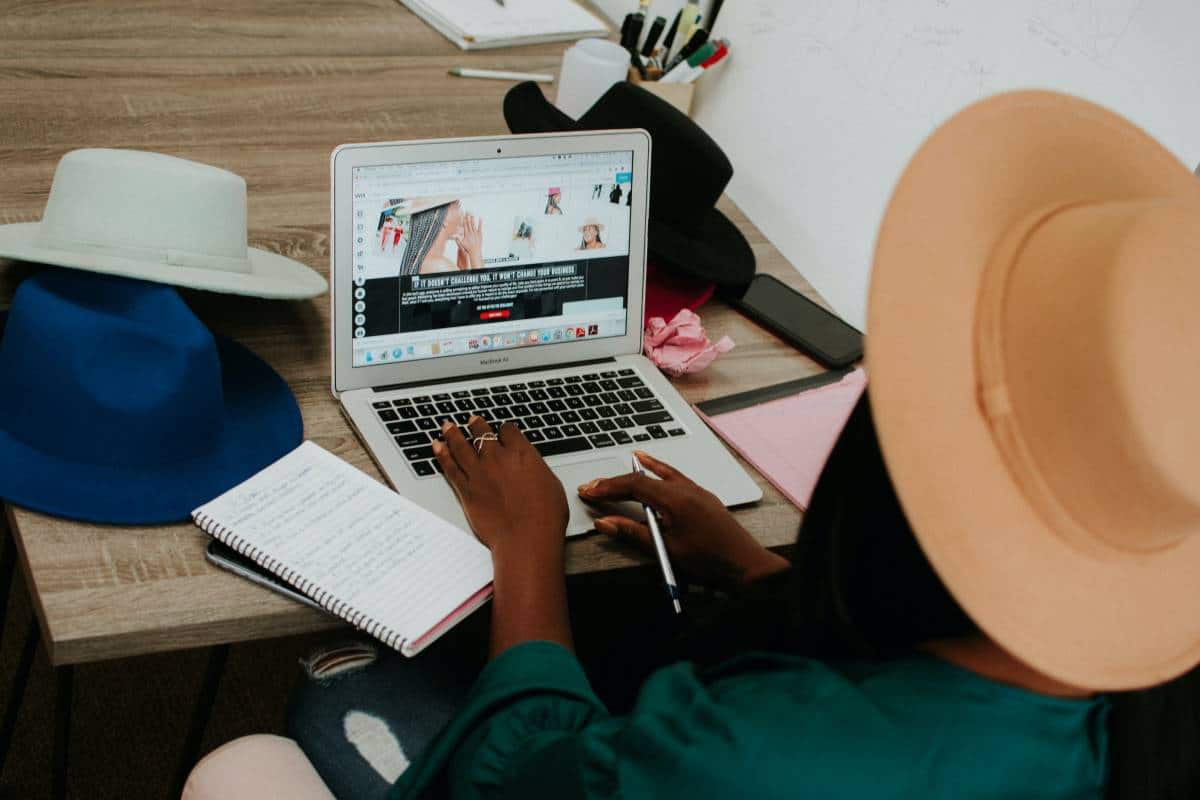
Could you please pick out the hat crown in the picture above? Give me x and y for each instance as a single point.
(1098, 428)
(148, 207)
(104, 370)
(689, 170)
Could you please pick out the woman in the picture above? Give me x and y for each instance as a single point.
(992, 594)
(590, 231)
(553, 201)
(434, 224)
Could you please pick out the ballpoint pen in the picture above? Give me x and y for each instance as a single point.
(660, 547)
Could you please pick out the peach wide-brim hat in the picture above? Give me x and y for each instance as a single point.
(1034, 351)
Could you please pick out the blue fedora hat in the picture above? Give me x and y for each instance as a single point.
(118, 405)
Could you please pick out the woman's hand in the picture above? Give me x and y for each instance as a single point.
(470, 243)
(510, 497)
(705, 542)
(518, 509)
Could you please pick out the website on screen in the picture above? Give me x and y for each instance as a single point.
(455, 257)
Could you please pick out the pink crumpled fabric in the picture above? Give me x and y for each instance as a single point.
(681, 345)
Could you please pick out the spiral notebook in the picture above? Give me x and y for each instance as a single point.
(361, 551)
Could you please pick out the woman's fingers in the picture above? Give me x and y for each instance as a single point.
(642, 488)
(625, 528)
(460, 449)
(480, 427)
(660, 468)
(454, 475)
(511, 435)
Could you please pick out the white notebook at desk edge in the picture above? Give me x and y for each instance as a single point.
(481, 24)
(361, 551)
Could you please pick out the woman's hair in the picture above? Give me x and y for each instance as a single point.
(552, 203)
(583, 243)
(860, 587)
(423, 230)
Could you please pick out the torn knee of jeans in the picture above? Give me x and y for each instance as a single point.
(376, 743)
(334, 661)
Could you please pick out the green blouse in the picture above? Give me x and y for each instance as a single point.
(763, 726)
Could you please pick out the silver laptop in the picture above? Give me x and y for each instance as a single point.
(504, 277)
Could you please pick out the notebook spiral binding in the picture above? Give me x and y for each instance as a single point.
(323, 598)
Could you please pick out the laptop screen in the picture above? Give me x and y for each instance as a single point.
(462, 256)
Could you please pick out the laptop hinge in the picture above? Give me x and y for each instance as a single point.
(479, 375)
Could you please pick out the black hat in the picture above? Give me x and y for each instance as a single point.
(688, 173)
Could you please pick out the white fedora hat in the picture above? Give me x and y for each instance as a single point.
(157, 218)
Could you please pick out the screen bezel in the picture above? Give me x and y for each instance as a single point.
(346, 157)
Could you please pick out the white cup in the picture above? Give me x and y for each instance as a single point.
(589, 68)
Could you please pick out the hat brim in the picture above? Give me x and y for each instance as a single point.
(718, 253)
(1105, 619)
(271, 276)
(262, 424)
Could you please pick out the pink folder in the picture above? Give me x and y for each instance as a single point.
(788, 439)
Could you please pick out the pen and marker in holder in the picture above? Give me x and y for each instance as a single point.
(669, 69)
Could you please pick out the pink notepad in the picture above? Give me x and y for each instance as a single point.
(789, 439)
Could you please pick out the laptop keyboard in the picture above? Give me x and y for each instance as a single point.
(563, 414)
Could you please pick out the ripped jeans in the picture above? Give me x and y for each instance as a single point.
(364, 711)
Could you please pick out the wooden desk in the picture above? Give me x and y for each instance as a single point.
(264, 89)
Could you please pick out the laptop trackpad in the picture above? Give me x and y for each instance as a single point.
(573, 475)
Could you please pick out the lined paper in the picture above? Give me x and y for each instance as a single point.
(345, 539)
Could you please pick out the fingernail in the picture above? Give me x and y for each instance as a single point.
(437, 448)
(446, 425)
(641, 454)
(586, 488)
(604, 526)
(473, 417)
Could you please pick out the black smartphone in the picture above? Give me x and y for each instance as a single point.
(798, 320)
(226, 557)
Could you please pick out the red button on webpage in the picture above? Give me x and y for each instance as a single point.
(501, 314)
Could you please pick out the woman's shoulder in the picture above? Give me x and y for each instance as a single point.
(849, 728)
(913, 687)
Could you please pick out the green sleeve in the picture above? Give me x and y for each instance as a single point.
(532, 727)
(525, 701)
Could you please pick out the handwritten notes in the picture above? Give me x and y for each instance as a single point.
(352, 544)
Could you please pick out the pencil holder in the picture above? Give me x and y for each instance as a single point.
(677, 94)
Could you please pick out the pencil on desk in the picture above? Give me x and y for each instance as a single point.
(501, 75)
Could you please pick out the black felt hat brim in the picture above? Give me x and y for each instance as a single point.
(719, 254)
(715, 250)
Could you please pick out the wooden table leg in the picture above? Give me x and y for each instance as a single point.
(16, 691)
(201, 713)
(64, 678)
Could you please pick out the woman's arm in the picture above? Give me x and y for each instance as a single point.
(530, 600)
(517, 507)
